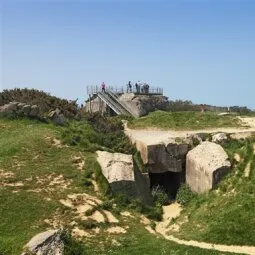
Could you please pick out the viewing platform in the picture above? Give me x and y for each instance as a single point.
(135, 100)
(118, 90)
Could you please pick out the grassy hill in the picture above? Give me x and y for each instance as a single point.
(38, 172)
(184, 121)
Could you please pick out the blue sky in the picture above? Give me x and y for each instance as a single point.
(201, 50)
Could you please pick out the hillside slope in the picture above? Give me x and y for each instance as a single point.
(45, 184)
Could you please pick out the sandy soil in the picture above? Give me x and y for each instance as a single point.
(173, 211)
(154, 136)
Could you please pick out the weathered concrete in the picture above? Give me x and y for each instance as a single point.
(122, 175)
(205, 166)
(141, 105)
(163, 157)
(95, 105)
(138, 105)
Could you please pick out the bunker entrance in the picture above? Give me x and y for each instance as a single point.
(169, 181)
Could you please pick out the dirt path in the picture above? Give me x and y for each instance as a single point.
(172, 211)
(155, 136)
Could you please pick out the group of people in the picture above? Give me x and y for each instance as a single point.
(140, 87)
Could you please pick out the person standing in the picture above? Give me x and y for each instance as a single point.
(130, 86)
(103, 87)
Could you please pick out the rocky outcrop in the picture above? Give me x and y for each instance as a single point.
(46, 243)
(141, 105)
(206, 164)
(20, 109)
(122, 175)
(33, 111)
(57, 117)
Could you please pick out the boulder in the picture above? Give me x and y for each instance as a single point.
(9, 108)
(219, 138)
(57, 117)
(123, 176)
(35, 112)
(26, 109)
(45, 243)
(206, 164)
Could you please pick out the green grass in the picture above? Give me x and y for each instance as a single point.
(27, 151)
(225, 215)
(183, 121)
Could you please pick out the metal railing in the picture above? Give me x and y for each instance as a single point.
(94, 89)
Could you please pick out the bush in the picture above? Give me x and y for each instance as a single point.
(184, 195)
(89, 224)
(71, 246)
(159, 195)
(87, 182)
(153, 212)
(107, 205)
(43, 100)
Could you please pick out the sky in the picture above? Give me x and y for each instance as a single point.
(199, 50)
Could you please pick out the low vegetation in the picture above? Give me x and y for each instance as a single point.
(224, 215)
(187, 105)
(43, 100)
(184, 121)
(37, 172)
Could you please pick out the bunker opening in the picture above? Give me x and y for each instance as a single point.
(170, 182)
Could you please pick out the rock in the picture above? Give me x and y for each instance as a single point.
(21, 109)
(45, 243)
(21, 105)
(57, 117)
(35, 112)
(122, 175)
(26, 109)
(9, 108)
(219, 138)
(205, 166)
(196, 139)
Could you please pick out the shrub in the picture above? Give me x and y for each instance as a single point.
(71, 246)
(107, 205)
(153, 212)
(87, 182)
(89, 224)
(184, 195)
(45, 101)
(159, 195)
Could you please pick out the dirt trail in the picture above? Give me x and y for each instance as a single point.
(173, 211)
(154, 136)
